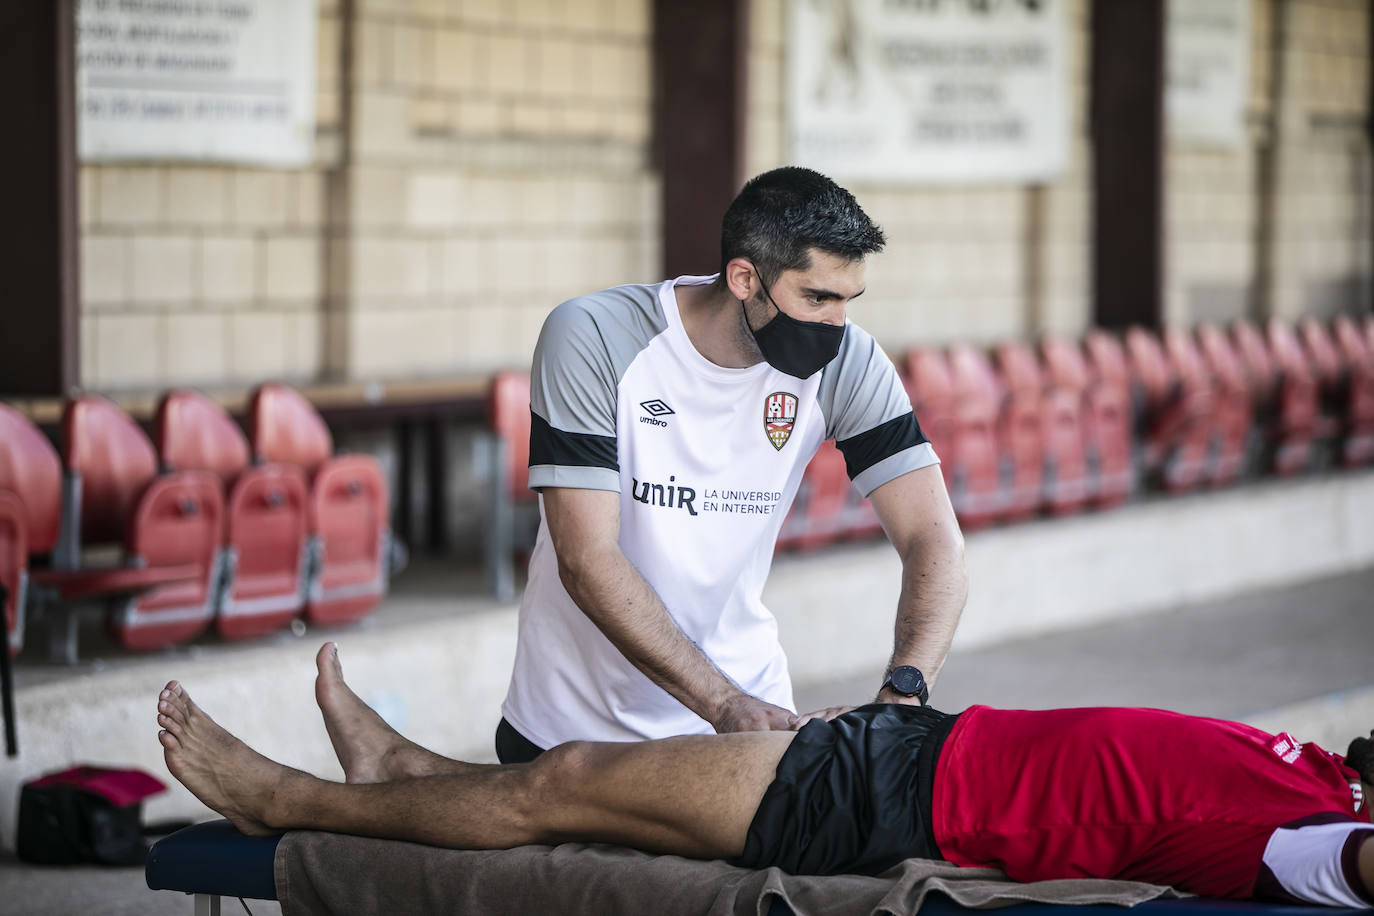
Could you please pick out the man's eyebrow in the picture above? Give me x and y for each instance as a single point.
(829, 293)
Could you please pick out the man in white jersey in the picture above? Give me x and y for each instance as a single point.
(671, 424)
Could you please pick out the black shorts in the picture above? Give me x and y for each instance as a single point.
(853, 795)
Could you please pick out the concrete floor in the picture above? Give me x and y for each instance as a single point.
(1241, 658)
(1234, 658)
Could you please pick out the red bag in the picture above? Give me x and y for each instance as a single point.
(85, 815)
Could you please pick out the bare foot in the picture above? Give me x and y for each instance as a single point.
(368, 749)
(219, 769)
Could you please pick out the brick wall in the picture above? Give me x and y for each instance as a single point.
(208, 274)
(1323, 196)
(497, 164)
(498, 160)
(500, 165)
(1223, 261)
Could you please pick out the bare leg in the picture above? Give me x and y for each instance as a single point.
(692, 796)
(368, 749)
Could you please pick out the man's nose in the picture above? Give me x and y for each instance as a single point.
(834, 315)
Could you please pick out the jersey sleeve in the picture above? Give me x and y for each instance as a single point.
(869, 415)
(1317, 863)
(573, 404)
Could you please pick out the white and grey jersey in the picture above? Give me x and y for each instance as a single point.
(706, 461)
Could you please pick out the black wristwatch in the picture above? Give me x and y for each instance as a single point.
(909, 682)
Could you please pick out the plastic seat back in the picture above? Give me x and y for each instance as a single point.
(1107, 357)
(1065, 365)
(1234, 408)
(14, 562)
(112, 459)
(266, 515)
(1322, 353)
(194, 433)
(1018, 384)
(978, 494)
(349, 505)
(31, 469)
(1358, 360)
(1350, 340)
(284, 427)
(508, 412)
(1150, 367)
(827, 488)
(30, 511)
(1260, 369)
(1105, 418)
(1066, 482)
(931, 389)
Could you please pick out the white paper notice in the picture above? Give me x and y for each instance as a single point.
(216, 80)
(928, 91)
(1209, 71)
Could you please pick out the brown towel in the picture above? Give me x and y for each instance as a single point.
(319, 873)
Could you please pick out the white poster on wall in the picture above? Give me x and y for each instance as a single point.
(214, 80)
(1208, 45)
(928, 91)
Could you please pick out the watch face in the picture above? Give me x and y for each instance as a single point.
(907, 680)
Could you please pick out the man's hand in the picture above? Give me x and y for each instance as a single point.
(745, 713)
(825, 715)
(888, 695)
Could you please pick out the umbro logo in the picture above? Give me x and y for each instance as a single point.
(655, 408)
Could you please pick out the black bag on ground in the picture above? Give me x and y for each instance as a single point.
(85, 815)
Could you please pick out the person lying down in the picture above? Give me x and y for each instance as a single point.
(1211, 807)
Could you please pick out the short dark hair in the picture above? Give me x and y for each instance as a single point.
(779, 216)
(1360, 758)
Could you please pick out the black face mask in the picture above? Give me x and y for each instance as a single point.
(799, 348)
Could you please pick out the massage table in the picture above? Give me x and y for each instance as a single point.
(213, 860)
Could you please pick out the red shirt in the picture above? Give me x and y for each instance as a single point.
(1140, 794)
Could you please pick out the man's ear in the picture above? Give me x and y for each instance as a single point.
(740, 278)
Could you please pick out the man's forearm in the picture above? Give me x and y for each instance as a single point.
(613, 594)
(934, 589)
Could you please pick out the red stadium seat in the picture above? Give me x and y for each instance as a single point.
(1286, 392)
(1178, 408)
(819, 512)
(1233, 402)
(266, 533)
(1065, 465)
(347, 510)
(931, 390)
(512, 515)
(1348, 392)
(1020, 425)
(169, 526)
(14, 567)
(1358, 355)
(1110, 423)
(30, 511)
(963, 430)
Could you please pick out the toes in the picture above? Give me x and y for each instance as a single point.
(169, 724)
(327, 661)
(172, 707)
(168, 740)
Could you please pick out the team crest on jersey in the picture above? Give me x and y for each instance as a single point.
(1287, 747)
(779, 416)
